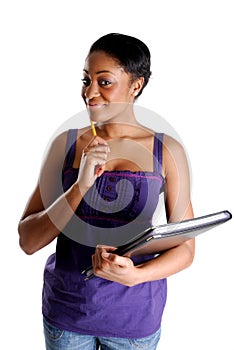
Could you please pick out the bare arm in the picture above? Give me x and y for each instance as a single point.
(50, 209)
(178, 207)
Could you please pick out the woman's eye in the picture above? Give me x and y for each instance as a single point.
(104, 82)
(85, 81)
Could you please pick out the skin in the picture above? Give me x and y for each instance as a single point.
(109, 94)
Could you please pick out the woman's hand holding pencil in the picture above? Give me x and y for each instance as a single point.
(93, 161)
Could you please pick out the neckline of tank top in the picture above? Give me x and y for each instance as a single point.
(125, 172)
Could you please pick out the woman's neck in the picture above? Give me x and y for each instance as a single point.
(120, 129)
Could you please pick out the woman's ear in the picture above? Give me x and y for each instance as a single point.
(137, 86)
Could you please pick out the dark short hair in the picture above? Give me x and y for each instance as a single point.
(132, 54)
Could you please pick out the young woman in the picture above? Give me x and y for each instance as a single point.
(94, 192)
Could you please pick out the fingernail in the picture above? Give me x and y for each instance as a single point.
(105, 255)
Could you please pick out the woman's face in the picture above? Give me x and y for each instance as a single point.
(107, 89)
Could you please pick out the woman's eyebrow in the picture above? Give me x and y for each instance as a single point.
(100, 71)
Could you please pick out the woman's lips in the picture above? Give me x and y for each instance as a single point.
(94, 106)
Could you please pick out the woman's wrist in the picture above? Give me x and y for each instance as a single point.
(80, 188)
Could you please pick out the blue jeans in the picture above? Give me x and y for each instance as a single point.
(57, 339)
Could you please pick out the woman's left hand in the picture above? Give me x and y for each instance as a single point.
(113, 267)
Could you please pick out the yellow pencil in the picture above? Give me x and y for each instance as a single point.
(93, 128)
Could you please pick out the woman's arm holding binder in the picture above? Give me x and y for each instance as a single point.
(178, 207)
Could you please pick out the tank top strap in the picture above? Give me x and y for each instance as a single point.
(158, 143)
(70, 147)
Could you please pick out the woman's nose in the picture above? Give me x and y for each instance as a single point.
(92, 91)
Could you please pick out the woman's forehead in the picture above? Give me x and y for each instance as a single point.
(101, 61)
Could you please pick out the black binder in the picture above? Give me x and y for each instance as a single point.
(157, 239)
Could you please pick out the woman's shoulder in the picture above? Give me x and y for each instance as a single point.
(171, 143)
(174, 153)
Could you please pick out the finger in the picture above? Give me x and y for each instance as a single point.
(95, 159)
(100, 170)
(97, 151)
(97, 140)
(98, 257)
(100, 250)
(95, 264)
(100, 140)
(107, 248)
(101, 148)
(98, 158)
(93, 260)
(117, 260)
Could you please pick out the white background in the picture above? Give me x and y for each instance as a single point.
(43, 47)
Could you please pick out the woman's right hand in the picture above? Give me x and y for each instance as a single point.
(92, 164)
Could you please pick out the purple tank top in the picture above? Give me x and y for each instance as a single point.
(99, 307)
